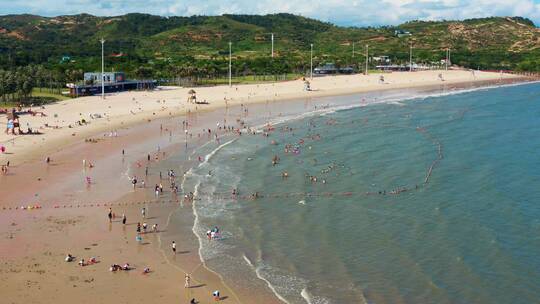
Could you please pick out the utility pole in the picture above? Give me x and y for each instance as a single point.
(449, 56)
(311, 62)
(230, 63)
(272, 45)
(410, 58)
(353, 49)
(446, 61)
(367, 52)
(102, 69)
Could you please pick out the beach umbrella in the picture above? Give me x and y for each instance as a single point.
(192, 97)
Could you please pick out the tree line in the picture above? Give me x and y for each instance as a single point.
(16, 85)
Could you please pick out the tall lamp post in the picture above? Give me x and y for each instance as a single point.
(353, 49)
(102, 69)
(446, 61)
(272, 45)
(230, 64)
(367, 52)
(410, 58)
(311, 62)
(449, 57)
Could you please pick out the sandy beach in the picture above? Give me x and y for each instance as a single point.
(60, 123)
(147, 126)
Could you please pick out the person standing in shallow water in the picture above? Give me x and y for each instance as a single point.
(173, 246)
(124, 219)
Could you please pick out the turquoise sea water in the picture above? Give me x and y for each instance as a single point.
(374, 231)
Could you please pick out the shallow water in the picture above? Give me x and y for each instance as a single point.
(382, 227)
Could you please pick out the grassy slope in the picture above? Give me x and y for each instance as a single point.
(36, 92)
(490, 41)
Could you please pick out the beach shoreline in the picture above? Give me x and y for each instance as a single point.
(140, 129)
(59, 128)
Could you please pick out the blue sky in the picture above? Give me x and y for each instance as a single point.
(342, 12)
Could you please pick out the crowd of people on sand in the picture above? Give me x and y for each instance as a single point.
(116, 267)
(13, 125)
(82, 262)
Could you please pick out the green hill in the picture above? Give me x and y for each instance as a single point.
(180, 46)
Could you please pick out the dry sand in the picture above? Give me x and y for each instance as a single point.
(34, 243)
(128, 108)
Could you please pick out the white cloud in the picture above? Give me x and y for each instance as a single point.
(343, 12)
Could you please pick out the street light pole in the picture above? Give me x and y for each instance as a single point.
(353, 49)
(272, 45)
(367, 52)
(230, 64)
(449, 56)
(311, 62)
(410, 58)
(446, 61)
(102, 69)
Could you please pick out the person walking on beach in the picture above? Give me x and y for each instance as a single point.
(173, 246)
(124, 219)
(188, 281)
(143, 212)
(110, 214)
(138, 228)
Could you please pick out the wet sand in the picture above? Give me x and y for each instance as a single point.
(33, 269)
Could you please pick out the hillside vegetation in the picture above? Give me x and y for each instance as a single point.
(166, 47)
